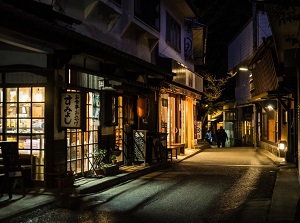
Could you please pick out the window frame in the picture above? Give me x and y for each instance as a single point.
(173, 33)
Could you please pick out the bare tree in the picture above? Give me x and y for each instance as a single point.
(213, 88)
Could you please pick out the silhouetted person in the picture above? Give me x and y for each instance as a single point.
(222, 137)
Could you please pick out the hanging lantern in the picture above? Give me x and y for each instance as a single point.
(141, 107)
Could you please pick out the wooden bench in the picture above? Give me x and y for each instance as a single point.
(180, 147)
(170, 151)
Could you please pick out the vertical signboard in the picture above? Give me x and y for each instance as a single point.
(195, 120)
(164, 113)
(199, 130)
(71, 110)
(139, 137)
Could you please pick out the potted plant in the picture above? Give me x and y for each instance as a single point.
(110, 169)
(100, 167)
(98, 156)
(113, 159)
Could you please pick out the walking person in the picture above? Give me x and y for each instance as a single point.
(208, 137)
(222, 137)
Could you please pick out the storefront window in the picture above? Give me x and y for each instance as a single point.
(171, 120)
(164, 113)
(119, 127)
(82, 143)
(113, 109)
(24, 122)
(182, 130)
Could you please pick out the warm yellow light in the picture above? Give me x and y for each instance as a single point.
(282, 145)
(38, 96)
(25, 97)
(243, 68)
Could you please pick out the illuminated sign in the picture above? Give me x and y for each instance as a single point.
(71, 110)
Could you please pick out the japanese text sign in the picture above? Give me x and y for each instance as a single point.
(71, 110)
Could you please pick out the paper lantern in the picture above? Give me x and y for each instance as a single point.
(141, 107)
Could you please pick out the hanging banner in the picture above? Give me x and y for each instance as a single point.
(164, 113)
(71, 106)
(195, 120)
(199, 130)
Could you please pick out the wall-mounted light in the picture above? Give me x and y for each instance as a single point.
(245, 65)
(270, 107)
(243, 68)
(284, 117)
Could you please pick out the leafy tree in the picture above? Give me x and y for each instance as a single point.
(285, 12)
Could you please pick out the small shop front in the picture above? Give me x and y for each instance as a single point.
(91, 115)
(22, 117)
(178, 117)
(178, 106)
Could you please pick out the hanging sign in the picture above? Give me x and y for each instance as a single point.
(71, 110)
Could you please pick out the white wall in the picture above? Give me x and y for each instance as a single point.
(164, 49)
(241, 47)
(242, 89)
(112, 25)
(264, 29)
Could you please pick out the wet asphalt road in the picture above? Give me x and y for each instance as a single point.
(215, 185)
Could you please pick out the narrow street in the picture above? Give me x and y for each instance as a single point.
(215, 185)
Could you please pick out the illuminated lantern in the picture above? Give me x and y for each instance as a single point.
(143, 107)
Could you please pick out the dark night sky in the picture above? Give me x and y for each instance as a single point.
(224, 18)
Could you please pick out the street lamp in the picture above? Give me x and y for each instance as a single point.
(282, 148)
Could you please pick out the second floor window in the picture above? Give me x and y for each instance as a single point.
(173, 33)
(148, 12)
